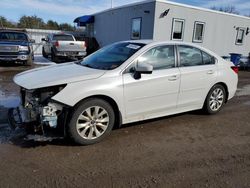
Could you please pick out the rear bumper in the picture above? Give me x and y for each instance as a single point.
(71, 54)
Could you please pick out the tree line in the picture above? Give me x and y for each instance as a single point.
(34, 22)
(228, 9)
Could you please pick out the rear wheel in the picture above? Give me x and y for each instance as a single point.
(54, 58)
(44, 53)
(215, 99)
(91, 121)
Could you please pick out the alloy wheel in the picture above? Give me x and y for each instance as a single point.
(92, 122)
(216, 99)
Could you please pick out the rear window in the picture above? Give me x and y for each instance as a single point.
(63, 37)
(12, 36)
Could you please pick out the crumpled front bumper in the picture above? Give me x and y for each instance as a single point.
(34, 131)
(16, 119)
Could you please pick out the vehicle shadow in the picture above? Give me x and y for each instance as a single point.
(10, 64)
(148, 122)
(22, 141)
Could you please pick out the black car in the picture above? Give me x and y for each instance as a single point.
(16, 46)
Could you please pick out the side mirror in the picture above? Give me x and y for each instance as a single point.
(32, 41)
(43, 39)
(142, 68)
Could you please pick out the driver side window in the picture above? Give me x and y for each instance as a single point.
(161, 57)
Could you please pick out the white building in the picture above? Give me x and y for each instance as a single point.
(221, 32)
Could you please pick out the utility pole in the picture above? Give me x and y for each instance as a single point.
(111, 3)
(1, 22)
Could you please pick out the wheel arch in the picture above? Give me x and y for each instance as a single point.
(225, 87)
(112, 102)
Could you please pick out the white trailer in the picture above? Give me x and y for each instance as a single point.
(221, 32)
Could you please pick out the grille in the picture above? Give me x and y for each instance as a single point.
(8, 48)
(9, 53)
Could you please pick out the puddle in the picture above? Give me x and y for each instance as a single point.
(7, 135)
(243, 91)
(247, 103)
(9, 100)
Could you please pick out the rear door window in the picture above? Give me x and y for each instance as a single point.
(207, 59)
(190, 56)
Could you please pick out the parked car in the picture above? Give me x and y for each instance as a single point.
(63, 46)
(91, 43)
(16, 46)
(244, 63)
(122, 83)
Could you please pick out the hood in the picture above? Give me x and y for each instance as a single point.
(22, 43)
(56, 75)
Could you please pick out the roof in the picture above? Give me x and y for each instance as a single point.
(176, 4)
(151, 43)
(13, 30)
(141, 41)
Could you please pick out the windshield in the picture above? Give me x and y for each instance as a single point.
(112, 56)
(12, 36)
(63, 37)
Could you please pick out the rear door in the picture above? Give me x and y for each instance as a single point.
(198, 73)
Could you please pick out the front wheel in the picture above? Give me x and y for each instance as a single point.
(29, 61)
(91, 121)
(215, 99)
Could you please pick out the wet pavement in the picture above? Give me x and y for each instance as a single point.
(186, 150)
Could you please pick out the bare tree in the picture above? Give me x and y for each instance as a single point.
(229, 9)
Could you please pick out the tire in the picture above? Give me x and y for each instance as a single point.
(54, 58)
(215, 99)
(91, 121)
(44, 53)
(29, 61)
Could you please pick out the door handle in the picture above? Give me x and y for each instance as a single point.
(210, 72)
(173, 78)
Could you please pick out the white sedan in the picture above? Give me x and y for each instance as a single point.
(121, 83)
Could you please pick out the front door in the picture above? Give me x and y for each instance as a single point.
(153, 94)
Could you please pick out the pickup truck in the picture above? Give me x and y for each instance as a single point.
(63, 46)
(16, 46)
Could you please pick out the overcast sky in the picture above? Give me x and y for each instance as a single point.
(68, 10)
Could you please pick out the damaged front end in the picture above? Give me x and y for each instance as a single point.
(38, 113)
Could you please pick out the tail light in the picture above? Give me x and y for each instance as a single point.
(84, 44)
(56, 44)
(235, 69)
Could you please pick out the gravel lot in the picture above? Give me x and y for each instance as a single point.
(186, 150)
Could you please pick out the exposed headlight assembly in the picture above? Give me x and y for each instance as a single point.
(46, 93)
